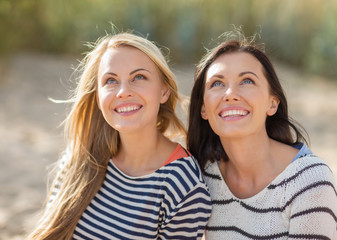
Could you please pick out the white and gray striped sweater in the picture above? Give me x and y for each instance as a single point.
(301, 203)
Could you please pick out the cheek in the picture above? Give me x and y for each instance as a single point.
(263, 103)
(104, 100)
(210, 101)
(154, 95)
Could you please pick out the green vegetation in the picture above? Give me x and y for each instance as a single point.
(299, 32)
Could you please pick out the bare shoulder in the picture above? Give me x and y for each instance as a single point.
(283, 153)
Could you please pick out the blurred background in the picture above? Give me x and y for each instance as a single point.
(301, 33)
(42, 40)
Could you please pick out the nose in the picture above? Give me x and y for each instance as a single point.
(124, 90)
(231, 94)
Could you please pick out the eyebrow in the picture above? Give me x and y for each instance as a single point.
(240, 75)
(132, 72)
(247, 72)
(218, 76)
(139, 69)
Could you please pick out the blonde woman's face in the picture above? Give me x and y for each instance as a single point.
(130, 90)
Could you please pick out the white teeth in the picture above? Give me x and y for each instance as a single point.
(127, 109)
(233, 112)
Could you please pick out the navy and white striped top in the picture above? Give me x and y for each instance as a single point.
(170, 203)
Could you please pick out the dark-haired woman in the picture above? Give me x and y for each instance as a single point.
(264, 181)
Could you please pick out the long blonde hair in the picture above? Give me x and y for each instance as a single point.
(92, 141)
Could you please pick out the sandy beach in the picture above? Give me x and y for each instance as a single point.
(31, 139)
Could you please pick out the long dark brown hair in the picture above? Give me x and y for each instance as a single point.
(202, 141)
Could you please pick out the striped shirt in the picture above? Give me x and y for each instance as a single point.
(300, 203)
(170, 203)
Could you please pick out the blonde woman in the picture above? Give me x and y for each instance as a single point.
(123, 177)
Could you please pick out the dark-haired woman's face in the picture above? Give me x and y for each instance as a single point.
(237, 99)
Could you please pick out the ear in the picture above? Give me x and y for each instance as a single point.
(273, 107)
(165, 94)
(203, 112)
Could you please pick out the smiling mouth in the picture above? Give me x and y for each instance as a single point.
(127, 109)
(233, 113)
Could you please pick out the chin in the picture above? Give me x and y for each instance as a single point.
(232, 134)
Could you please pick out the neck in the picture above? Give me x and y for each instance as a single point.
(250, 166)
(254, 162)
(248, 157)
(140, 155)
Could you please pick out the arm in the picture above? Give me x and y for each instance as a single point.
(189, 217)
(313, 210)
(55, 187)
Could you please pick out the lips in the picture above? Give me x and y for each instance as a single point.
(127, 108)
(233, 113)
